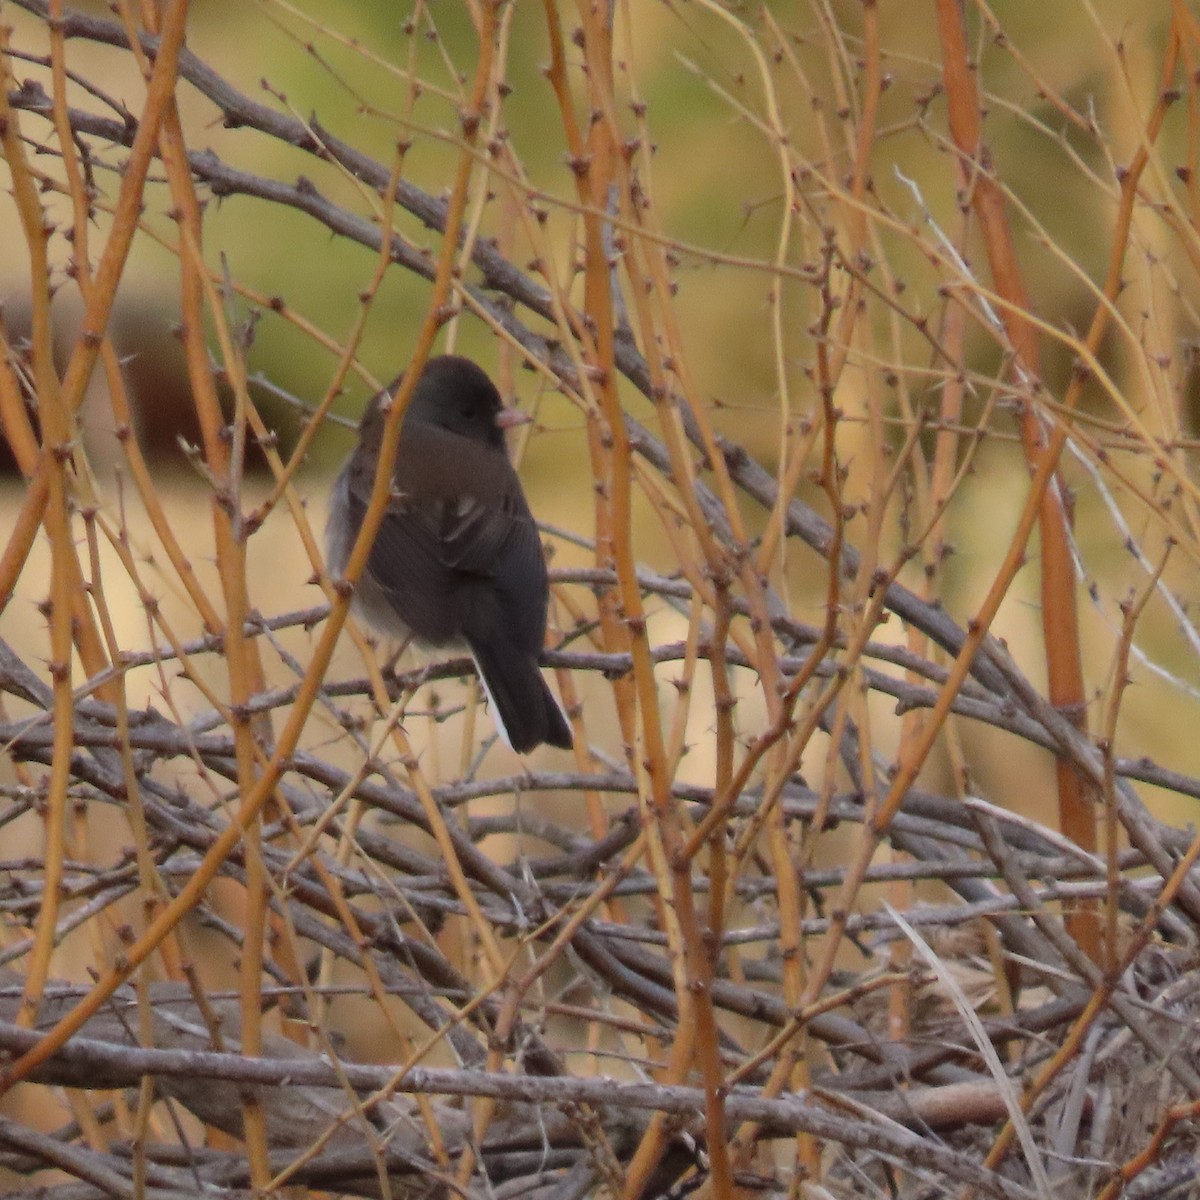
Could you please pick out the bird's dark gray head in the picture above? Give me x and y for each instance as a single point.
(455, 394)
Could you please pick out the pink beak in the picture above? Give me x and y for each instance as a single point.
(507, 418)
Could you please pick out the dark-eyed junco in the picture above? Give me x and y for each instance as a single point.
(458, 557)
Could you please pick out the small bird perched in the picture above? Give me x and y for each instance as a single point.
(457, 557)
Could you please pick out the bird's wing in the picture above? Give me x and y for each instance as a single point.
(496, 554)
(408, 567)
(457, 556)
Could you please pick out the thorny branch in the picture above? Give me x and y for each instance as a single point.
(406, 887)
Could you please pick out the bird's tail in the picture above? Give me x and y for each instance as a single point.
(525, 710)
